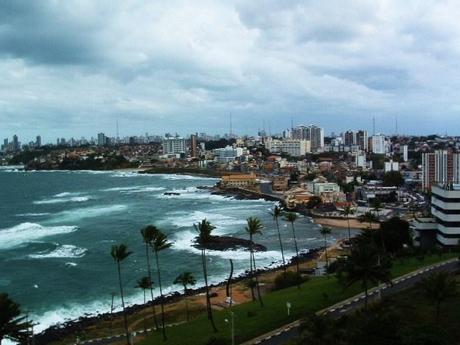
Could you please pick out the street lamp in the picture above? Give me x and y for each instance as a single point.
(232, 321)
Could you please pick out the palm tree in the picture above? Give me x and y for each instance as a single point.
(254, 227)
(368, 217)
(348, 210)
(13, 326)
(159, 243)
(144, 283)
(362, 266)
(185, 279)
(291, 217)
(204, 229)
(120, 253)
(147, 236)
(438, 287)
(326, 231)
(276, 213)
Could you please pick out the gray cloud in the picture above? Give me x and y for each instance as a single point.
(70, 68)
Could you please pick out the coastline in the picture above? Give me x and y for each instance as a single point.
(77, 326)
(59, 332)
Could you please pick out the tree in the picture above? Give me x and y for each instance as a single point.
(362, 265)
(147, 236)
(393, 179)
(396, 234)
(160, 243)
(348, 210)
(13, 326)
(144, 283)
(204, 229)
(321, 330)
(439, 287)
(276, 213)
(291, 217)
(185, 279)
(368, 217)
(325, 231)
(254, 227)
(120, 253)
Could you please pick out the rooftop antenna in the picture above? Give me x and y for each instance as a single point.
(292, 123)
(396, 124)
(118, 133)
(231, 126)
(373, 125)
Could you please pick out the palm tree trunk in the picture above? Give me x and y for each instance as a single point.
(208, 298)
(281, 245)
(257, 281)
(366, 294)
(163, 329)
(325, 252)
(186, 303)
(155, 321)
(251, 270)
(125, 318)
(145, 323)
(438, 310)
(296, 250)
(349, 231)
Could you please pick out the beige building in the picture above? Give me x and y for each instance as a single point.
(239, 181)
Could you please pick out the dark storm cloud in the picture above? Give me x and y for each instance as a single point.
(70, 68)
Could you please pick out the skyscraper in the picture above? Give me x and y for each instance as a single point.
(378, 144)
(101, 139)
(193, 146)
(312, 133)
(38, 141)
(362, 140)
(16, 144)
(440, 167)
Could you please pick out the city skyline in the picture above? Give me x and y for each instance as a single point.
(70, 67)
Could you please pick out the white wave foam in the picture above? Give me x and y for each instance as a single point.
(184, 241)
(87, 212)
(175, 177)
(29, 232)
(193, 193)
(61, 200)
(182, 219)
(64, 251)
(61, 195)
(71, 264)
(134, 189)
(32, 214)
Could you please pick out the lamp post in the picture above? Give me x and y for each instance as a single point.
(232, 325)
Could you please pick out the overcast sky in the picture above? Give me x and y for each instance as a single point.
(71, 68)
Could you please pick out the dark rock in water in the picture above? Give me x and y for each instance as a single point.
(228, 243)
(171, 193)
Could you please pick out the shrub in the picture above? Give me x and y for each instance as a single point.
(217, 341)
(288, 279)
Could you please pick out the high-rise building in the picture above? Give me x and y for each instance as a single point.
(349, 138)
(405, 152)
(16, 143)
(441, 166)
(362, 140)
(101, 139)
(444, 225)
(312, 133)
(193, 146)
(174, 145)
(378, 144)
(38, 141)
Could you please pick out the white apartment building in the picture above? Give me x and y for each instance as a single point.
(379, 144)
(173, 146)
(228, 154)
(444, 226)
(292, 147)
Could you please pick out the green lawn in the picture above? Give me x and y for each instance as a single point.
(251, 320)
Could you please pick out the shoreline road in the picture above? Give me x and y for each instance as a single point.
(288, 332)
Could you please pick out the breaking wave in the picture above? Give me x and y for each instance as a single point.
(28, 232)
(64, 251)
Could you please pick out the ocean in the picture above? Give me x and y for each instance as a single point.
(57, 229)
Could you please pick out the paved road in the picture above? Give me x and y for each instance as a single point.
(288, 332)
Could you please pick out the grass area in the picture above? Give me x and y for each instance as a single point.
(251, 320)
